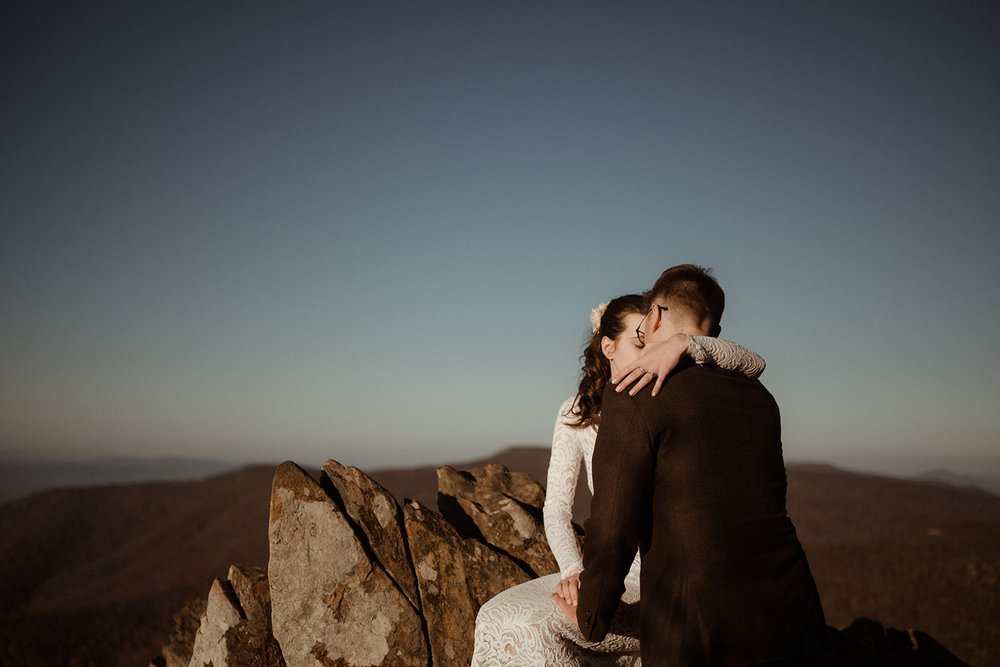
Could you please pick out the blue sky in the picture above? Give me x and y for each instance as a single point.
(374, 231)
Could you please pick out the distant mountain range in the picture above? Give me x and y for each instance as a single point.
(22, 477)
(984, 482)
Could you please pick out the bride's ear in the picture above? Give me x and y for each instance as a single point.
(608, 348)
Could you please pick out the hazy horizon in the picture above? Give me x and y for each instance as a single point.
(257, 232)
(987, 466)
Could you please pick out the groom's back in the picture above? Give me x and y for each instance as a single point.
(724, 578)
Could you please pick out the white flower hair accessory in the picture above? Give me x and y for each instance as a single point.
(595, 317)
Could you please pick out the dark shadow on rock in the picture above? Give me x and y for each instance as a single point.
(456, 516)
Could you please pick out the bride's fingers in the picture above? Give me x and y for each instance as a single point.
(631, 377)
(623, 373)
(662, 372)
(658, 385)
(643, 381)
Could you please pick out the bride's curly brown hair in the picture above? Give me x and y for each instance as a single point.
(596, 369)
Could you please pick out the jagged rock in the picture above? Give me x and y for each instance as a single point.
(253, 591)
(235, 630)
(455, 576)
(180, 645)
(379, 517)
(504, 507)
(251, 588)
(211, 645)
(330, 603)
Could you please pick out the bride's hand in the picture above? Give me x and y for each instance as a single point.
(569, 589)
(566, 607)
(658, 358)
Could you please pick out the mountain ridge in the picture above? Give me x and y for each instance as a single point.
(22, 476)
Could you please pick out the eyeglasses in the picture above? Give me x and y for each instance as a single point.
(639, 335)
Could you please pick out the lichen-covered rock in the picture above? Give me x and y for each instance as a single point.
(455, 576)
(253, 592)
(504, 507)
(379, 517)
(251, 588)
(218, 628)
(330, 604)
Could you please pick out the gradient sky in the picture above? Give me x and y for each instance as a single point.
(374, 231)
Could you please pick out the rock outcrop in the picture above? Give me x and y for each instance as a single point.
(354, 580)
(331, 602)
(505, 508)
(379, 520)
(235, 629)
(456, 576)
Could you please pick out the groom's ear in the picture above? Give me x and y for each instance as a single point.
(655, 320)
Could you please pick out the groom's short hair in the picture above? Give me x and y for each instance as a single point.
(692, 288)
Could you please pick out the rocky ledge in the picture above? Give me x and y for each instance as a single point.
(354, 579)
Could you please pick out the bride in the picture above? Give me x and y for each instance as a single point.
(522, 626)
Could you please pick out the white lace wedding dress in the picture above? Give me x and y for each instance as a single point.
(522, 626)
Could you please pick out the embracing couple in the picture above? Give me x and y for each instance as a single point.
(690, 558)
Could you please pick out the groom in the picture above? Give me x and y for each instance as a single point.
(694, 479)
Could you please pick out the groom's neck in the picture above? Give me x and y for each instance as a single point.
(686, 326)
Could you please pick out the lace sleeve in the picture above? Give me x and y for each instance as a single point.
(706, 350)
(564, 471)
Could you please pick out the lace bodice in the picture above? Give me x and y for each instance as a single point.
(572, 445)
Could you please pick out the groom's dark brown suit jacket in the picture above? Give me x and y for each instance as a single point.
(694, 479)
